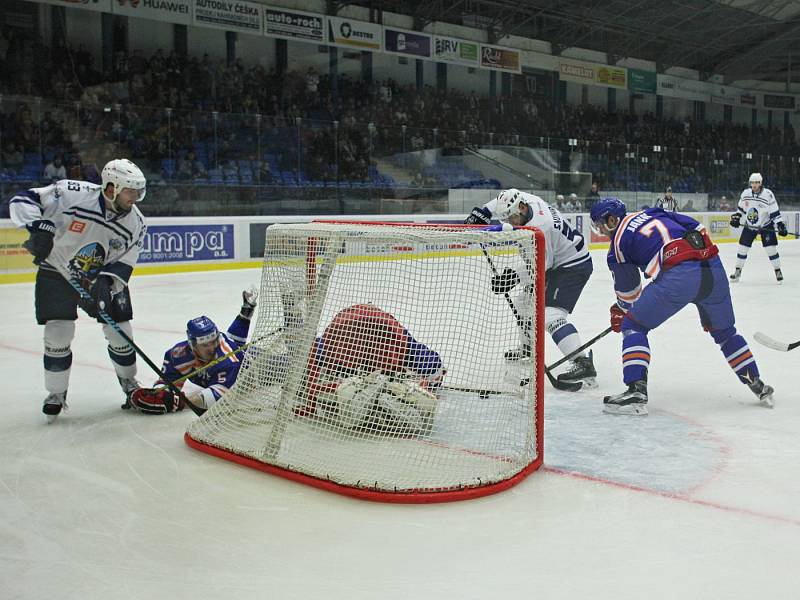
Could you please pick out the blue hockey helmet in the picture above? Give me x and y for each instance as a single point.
(605, 207)
(201, 330)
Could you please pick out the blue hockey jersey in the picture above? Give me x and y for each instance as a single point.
(637, 245)
(180, 360)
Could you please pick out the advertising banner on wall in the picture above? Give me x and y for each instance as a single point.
(780, 102)
(500, 59)
(171, 11)
(294, 25)
(642, 81)
(98, 5)
(407, 43)
(724, 94)
(452, 50)
(231, 15)
(677, 87)
(354, 34)
(179, 243)
(579, 71)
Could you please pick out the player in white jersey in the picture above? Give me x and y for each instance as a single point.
(762, 216)
(568, 267)
(92, 234)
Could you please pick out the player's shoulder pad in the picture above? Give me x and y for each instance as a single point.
(179, 350)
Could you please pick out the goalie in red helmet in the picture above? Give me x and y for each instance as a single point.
(201, 356)
(367, 372)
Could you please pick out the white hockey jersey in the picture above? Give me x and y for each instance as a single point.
(564, 246)
(90, 239)
(758, 210)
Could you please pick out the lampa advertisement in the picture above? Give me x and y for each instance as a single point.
(354, 34)
(178, 243)
(500, 59)
(407, 43)
(294, 25)
(229, 15)
(452, 50)
(171, 11)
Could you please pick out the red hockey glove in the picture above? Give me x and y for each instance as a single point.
(617, 314)
(156, 401)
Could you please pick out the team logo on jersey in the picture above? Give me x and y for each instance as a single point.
(77, 226)
(752, 216)
(116, 244)
(87, 261)
(178, 351)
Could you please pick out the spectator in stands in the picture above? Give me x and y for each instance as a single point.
(573, 205)
(724, 205)
(560, 204)
(13, 157)
(55, 170)
(594, 195)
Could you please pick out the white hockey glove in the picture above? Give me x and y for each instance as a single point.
(249, 302)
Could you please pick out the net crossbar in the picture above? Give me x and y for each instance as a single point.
(377, 366)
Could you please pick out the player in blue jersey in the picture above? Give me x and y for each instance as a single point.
(204, 344)
(675, 252)
(367, 371)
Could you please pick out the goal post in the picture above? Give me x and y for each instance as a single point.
(378, 366)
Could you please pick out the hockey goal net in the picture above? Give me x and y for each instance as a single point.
(377, 366)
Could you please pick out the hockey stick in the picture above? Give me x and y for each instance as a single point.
(115, 326)
(576, 352)
(559, 385)
(769, 342)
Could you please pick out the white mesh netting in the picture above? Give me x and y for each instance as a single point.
(378, 360)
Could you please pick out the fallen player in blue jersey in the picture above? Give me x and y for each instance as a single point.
(204, 344)
(674, 251)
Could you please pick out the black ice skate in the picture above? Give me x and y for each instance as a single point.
(581, 371)
(764, 393)
(521, 353)
(633, 401)
(778, 275)
(53, 405)
(128, 385)
(736, 274)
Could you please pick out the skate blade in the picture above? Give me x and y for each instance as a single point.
(767, 402)
(587, 383)
(51, 418)
(628, 409)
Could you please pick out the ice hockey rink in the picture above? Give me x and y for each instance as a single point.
(700, 499)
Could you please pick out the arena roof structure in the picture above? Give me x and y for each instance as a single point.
(738, 39)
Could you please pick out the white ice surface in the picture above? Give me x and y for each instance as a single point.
(701, 499)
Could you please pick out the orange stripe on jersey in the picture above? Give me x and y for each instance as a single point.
(226, 349)
(618, 235)
(635, 355)
(741, 358)
(630, 296)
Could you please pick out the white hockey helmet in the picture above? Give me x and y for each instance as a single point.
(755, 178)
(559, 197)
(124, 174)
(507, 202)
